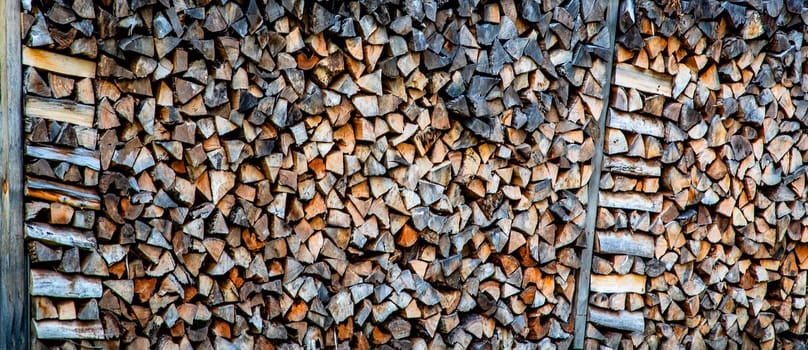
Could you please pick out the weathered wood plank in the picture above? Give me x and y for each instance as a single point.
(585, 273)
(624, 242)
(629, 76)
(630, 283)
(53, 329)
(78, 156)
(60, 235)
(57, 63)
(632, 166)
(636, 123)
(623, 320)
(57, 192)
(55, 284)
(631, 200)
(14, 309)
(60, 110)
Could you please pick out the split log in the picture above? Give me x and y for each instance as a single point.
(54, 284)
(60, 235)
(629, 76)
(60, 330)
(636, 123)
(622, 320)
(637, 244)
(632, 166)
(630, 283)
(59, 110)
(78, 197)
(78, 156)
(630, 200)
(57, 63)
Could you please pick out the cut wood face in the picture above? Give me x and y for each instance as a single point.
(262, 173)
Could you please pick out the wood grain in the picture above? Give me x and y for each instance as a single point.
(630, 76)
(75, 196)
(631, 200)
(631, 283)
(55, 284)
(78, 156)
(581, 302)
(60, 235)
(623, 320)
(624, 242)
(54, 62)
(14, 319)
(636, 123)
(59, 110)
(52, 329)
(632, 166)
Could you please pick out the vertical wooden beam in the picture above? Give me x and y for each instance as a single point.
(585, 274)
(14, 305)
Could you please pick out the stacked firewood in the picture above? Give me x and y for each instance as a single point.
(258, 174)
(702, 226)
(62, 171)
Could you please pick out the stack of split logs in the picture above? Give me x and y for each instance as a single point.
(701, 228)
(258, 174)
(300, 174)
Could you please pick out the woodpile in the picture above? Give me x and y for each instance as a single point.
(701, 239)
(260, 174)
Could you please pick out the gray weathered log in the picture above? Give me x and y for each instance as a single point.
(622, 320)
(78, 156)
(60, 330)
(624, 242)
(55, 284)
(631, 200)
(66, 236)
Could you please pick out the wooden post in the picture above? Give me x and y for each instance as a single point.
(585, 274)
(14, 310)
